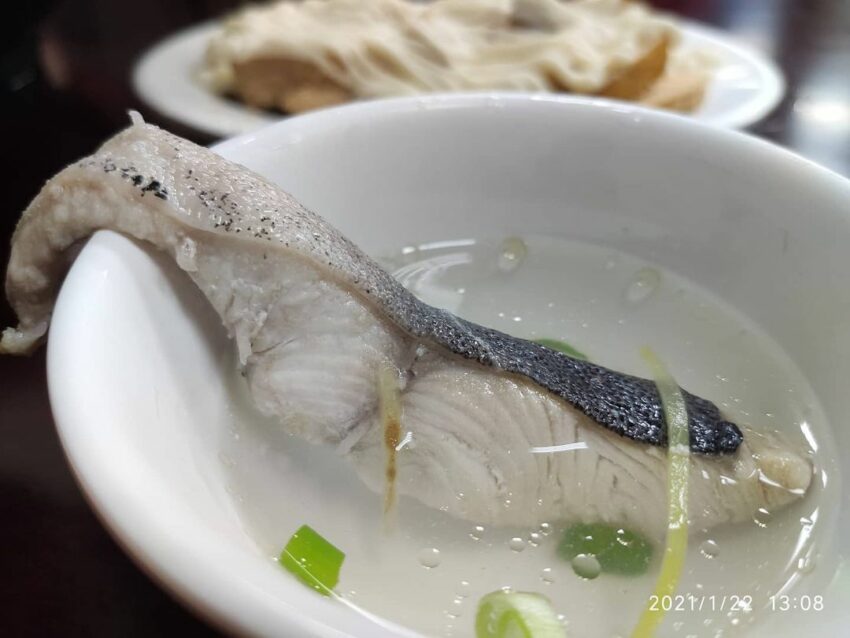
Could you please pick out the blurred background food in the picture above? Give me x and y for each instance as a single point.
(296, 56)
(65, 68)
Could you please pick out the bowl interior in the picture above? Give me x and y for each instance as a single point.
(141, 373)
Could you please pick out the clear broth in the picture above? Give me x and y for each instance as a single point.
(430, 572)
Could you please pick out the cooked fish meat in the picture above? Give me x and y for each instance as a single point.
(315, 321)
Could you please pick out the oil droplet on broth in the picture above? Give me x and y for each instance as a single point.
(511, 254)
(456, 609)
(476, 533)
(516, 544)
(547, 575)
(709, 548)
(644, 283)
(429, 557)
(762, 517)
(586, 566)
(805, 564)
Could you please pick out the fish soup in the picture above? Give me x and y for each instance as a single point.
(427, 568)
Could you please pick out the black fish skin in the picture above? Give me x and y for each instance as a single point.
(627, 405)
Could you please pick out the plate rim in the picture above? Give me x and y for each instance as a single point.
(772, 91)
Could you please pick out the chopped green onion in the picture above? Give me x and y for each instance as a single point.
(619, 551)
(562, 346)
(678, 459)
(313, 560)
(517, 615)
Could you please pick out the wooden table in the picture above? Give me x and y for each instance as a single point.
(61, 572)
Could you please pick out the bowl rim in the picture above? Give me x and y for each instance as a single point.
(227, 611)
(346, 114)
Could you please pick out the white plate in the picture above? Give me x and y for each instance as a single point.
(139, 370)
(746, 86)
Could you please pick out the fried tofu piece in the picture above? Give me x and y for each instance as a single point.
(292, 86)
(677, 91)
(651, 82)
(635, 80)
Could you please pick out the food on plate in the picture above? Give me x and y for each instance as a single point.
(315, 321)
(296, 56)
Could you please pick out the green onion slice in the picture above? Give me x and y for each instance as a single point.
(313, 560)
(678, 459)
(517, 615)
(618, 550)
(562, 346)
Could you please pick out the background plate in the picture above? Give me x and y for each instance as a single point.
(745, 88)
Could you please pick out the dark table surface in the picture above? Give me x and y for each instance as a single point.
(64, 71)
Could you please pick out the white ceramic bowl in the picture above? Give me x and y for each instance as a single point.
(139, 369)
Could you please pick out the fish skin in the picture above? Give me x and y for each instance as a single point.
(627, 405)
(155, 164)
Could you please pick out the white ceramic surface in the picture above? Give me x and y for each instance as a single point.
(746, 87)
(140, 373)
